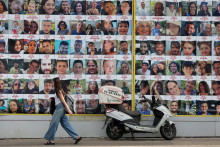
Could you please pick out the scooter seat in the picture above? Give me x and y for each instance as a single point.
(136, 115)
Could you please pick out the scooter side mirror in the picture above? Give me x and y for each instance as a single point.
(158, 95)
(140, 95)
(153, 98)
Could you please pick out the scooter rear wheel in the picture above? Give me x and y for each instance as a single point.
(114, 131)
(168, 131)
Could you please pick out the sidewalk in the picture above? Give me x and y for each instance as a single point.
(124, 142)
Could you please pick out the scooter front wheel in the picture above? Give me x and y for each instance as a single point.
(168, 131)
(114, 131)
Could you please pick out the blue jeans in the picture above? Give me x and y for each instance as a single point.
(59, 117)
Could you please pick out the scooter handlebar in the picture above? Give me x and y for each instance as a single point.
(152, 102)
(146, 100)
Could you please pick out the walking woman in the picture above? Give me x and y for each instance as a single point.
(60, 117)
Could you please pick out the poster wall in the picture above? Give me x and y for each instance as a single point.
(87, 44)
(172, 45)
(176, 51)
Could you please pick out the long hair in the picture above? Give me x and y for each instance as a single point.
(177, 65)
(5, 64)
(58, 86)
(64, 24)
(35, 90)
(148, 46)
(91, 30)
(89, 91)
(202, 12)
(189, 8)
(41, 10)
(128, 72)
(4, 6)
(61, 10)
(152, 67)
(34, 22)
(19, 90)
(207, 89)
(12, 43)
(104, 30)
(88, 27)
(94, 61)
(19, 108)
(103, 47)
(83, 8)
(152, 88)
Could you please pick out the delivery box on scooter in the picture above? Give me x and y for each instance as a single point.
(110, 95)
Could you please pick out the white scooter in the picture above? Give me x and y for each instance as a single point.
(121, 121)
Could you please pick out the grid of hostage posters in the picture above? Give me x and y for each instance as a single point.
(87, 44)
(177, 49)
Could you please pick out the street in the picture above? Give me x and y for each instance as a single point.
(155, 142)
